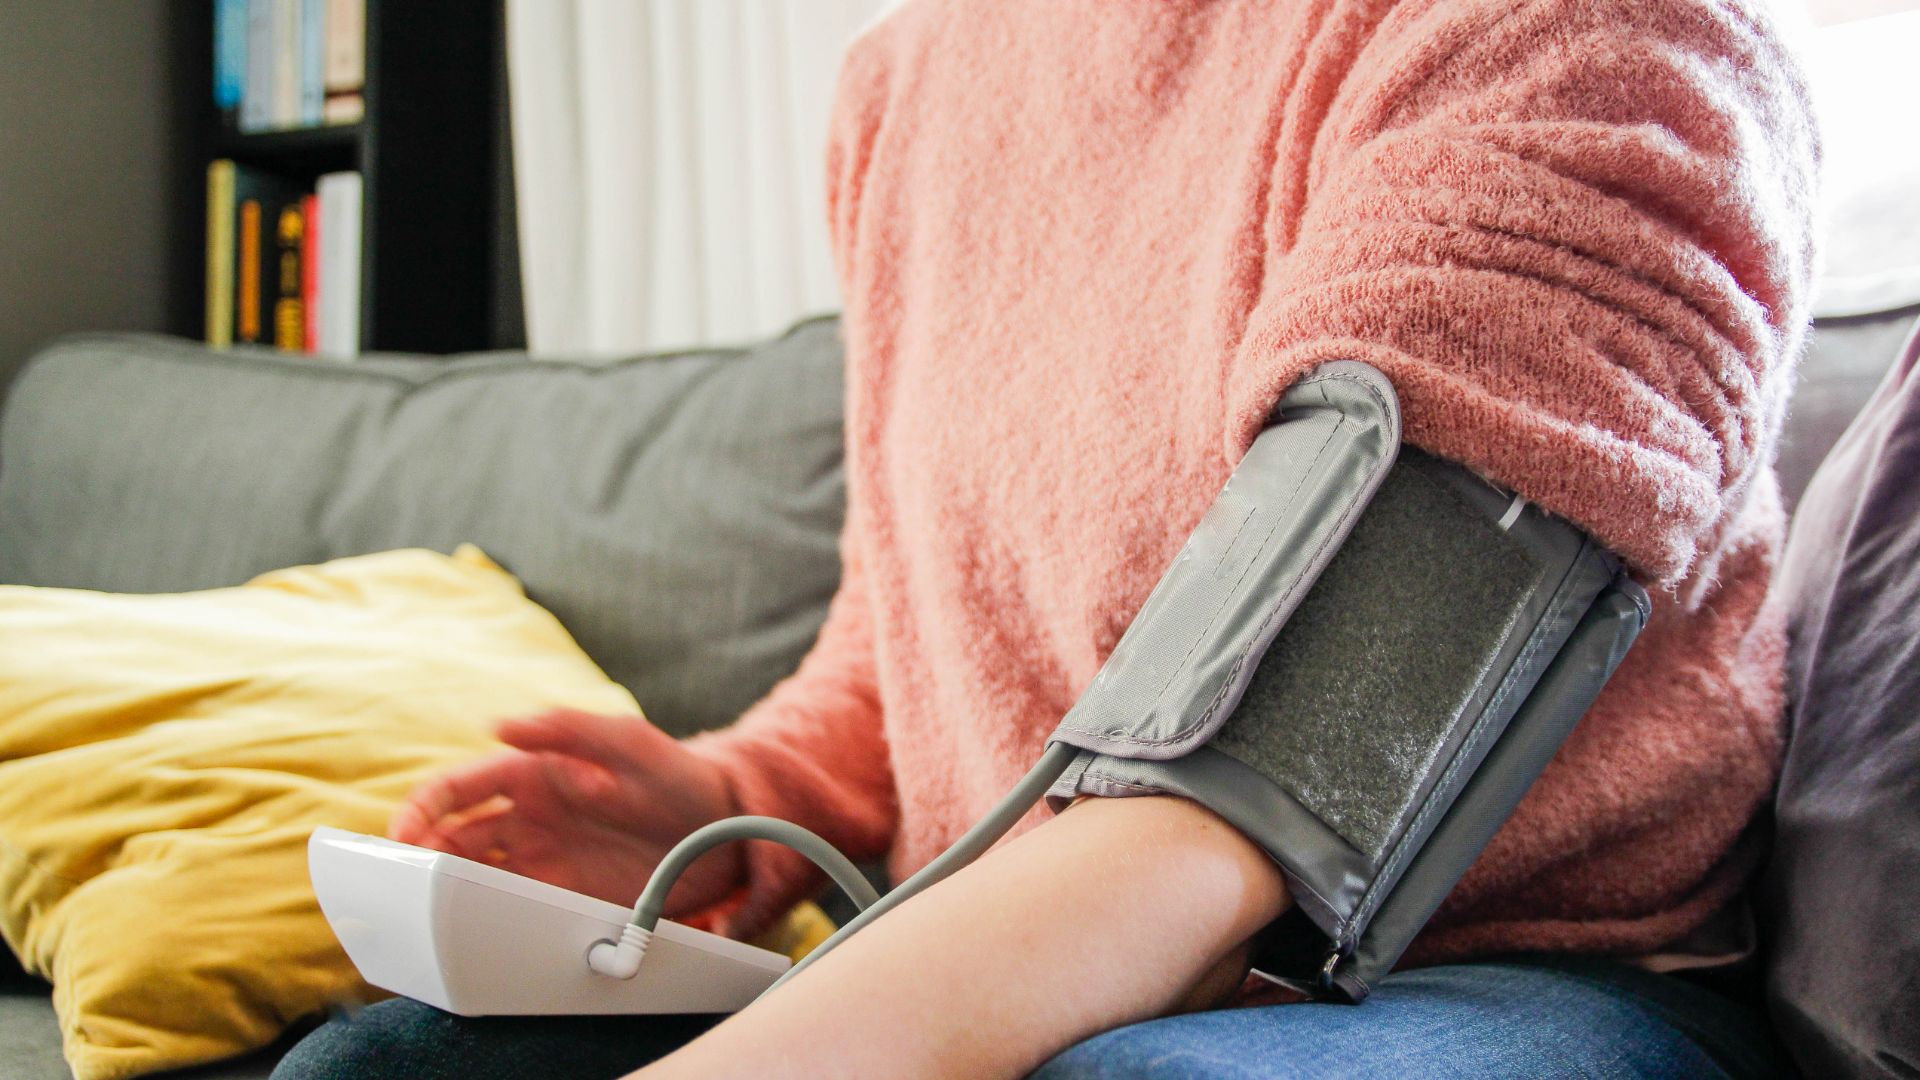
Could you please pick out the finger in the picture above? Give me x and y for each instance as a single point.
(616, 742)
(461, 786)
(408, 823)
(483, 811)
(523, 845)
(482, 839)
(580, 783)
(508, 774)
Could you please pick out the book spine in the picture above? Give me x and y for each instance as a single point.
(246, 273)
(340, 199)
(344, 108)
(313, 59)
(346, 62)
(346, 46)
(310, 273)
(229, 57)
(220, 254)
(256, 97)
(286, 63)
(289, 312)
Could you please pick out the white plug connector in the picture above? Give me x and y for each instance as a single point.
(621, 961)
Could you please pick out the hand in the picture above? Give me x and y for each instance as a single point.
(589, 803)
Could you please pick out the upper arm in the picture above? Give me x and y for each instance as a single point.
(1575, 236)
(859, 103)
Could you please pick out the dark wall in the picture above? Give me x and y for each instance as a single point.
(85, 170)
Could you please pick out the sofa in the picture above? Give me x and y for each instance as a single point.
(678, 513)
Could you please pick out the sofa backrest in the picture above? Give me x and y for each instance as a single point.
(1845, 360)
(680, 514)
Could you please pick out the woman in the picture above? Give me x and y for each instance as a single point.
(1085, 245)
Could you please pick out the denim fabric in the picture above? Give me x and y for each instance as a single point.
(405, 1040)
(1539, 1017)
(1530, 1017)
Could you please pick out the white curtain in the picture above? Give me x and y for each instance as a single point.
(668, 159)
(1863, 90)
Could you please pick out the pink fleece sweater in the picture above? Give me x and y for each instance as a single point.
(1086, 244)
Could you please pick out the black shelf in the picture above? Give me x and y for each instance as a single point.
(297, 150)
(428, 149)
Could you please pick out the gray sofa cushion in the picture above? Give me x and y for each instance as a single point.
(29, 1033)
(1838, 897)
(1845, 360)
(680, 514)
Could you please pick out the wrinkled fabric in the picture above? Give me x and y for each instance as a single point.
(1085, 245)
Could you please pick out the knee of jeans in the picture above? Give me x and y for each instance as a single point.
(382, 1040)
(1154, 1050)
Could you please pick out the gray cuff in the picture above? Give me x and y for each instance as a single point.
(1452, 622)
(1181, 667)
(1367, 908)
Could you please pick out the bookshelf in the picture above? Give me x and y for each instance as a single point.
(428, 147)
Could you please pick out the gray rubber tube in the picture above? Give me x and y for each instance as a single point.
(653, 898)
(969, 847)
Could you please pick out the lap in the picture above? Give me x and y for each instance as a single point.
(1539, 1018)
(1548, 1017)
(402, 1038)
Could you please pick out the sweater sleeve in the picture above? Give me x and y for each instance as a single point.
(814, 751)
(1576, 236)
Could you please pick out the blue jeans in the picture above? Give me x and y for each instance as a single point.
(1524, 1017)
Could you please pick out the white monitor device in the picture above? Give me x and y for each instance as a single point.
(479, 941)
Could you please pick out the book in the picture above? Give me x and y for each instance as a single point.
(220, 222)
(313, 59)
(340, 196)
(285, 21)
(345, 76)
(346, 66)
(289, 305)
(344, 108)
(310, 273)
(229, 57)
(246, 273)
(258, 200)
(256, 91)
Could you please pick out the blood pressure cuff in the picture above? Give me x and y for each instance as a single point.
(1361, 658)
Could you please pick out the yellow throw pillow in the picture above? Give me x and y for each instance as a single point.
(163, 759)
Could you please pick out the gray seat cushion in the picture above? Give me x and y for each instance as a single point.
(680, 514)
(29, 1034)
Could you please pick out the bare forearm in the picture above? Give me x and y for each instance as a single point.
(1118, 911)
